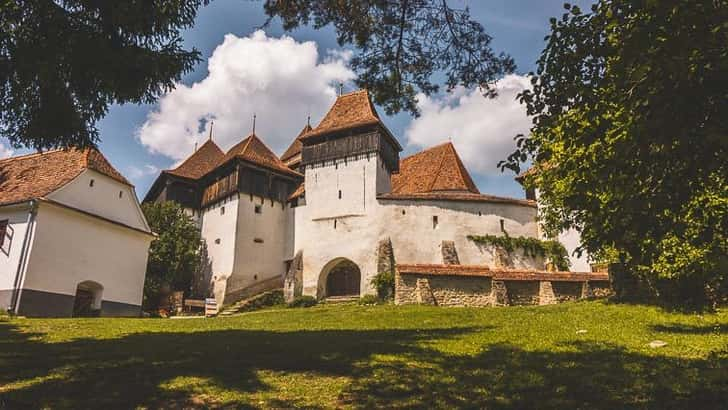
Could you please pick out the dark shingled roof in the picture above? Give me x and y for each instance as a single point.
(34, 176)
(296, 146)
(253, 150)
(202, 161)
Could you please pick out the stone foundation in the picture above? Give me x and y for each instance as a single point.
(457, 285)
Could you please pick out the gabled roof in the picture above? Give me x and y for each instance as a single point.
(350, 110)
(296, 146)
(253, 150)
(202, 161)
(34, 176)
(436, 169)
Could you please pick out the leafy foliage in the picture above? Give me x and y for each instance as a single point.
(630, 138)
(402, 44)
(383, 282)
(62, 63)
(174, 256)
(303, 302)
(533, 247)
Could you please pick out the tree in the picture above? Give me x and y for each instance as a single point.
(630, 139)
(174, 256)
(403, 45)
(62, 63)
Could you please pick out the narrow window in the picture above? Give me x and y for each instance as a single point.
(480, 213)
(502, 224)
(222, 210)
(258, 240)
(121, 193)
(255, 277)
(404, 212)
(91, 183)
(3, 232)
(334, 223)
(339, 194)
(434, 221)
(217, 241)
(258, 209)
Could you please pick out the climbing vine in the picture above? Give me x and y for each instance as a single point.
(533, 247)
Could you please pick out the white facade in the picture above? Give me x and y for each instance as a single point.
(88, 234)
(571, 239)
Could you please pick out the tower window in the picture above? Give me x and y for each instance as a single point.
(339, 194)
(217, 241)
(434, 222)
(404, 212)
(503, 225)
(91, 183)
(258, 209)
(121, 193)
(334, 223)
(222, 210)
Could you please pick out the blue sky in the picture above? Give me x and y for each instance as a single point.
(482, 132)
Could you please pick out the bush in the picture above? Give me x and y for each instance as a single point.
(303, 302)
(369, 300)
(383, 282)
(267, 299)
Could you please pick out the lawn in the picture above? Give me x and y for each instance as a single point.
(576, 355)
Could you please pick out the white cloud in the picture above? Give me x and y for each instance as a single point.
(481, 129)
(5, 151)
(279, 79)
(135, 172)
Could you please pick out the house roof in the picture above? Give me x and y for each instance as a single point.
(435, 169)
(296, 146)
(457, 196)
(253, 150)
(300, 190)
(202, 161)
(33, 176)
(350, 110)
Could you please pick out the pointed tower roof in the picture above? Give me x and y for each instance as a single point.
(202, 161)
(436, 169)
(295, 147)
(253, 150)
(34, 176)
(349, 111)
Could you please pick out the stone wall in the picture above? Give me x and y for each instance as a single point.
(449, 285)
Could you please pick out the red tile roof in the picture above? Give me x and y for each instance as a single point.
(253, 150)
(300, 190)
(499, 273)
(350, 110)
(202, 161)
(296, 146)
(33, 176)
(457, 196)
(435, 169)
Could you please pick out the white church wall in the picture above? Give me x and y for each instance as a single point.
(17, 217)
(219, 224)
(106, 197)
(571, 239)
(70, 247)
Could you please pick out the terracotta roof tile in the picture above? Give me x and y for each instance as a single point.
(296, 146)
(33, 176)
(457, 196)
(435, 169)
(350, 110)
(499, 273)
(300, 190)
(202, 161)
(254, 150)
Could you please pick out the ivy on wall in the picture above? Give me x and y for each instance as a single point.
(533, 247)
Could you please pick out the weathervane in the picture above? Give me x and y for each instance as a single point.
(212, 123)
(253, 123)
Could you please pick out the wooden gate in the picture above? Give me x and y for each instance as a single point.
(344, 279)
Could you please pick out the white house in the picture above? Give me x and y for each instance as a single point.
(335, 206)
(73, 239)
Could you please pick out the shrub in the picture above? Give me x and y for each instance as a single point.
(369, 300)
(267, 299)
(383, 282)
(303, 302)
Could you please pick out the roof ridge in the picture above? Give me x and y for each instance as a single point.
(426, 149)
(437, 173)
(31, 154)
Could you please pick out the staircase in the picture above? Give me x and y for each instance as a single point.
(259, 301)
(342, 299)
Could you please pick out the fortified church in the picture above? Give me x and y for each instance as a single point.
(336, 208)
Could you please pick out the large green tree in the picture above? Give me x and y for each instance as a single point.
(630, 137)
(63, 62)
(404, 46)
(174, 256)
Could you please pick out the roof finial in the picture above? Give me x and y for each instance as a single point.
(308, 120)
(253, 123)
(195, 146)
(341, 88)
(212, 123)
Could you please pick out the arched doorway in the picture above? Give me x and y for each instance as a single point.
(342, 278)
(87, 302)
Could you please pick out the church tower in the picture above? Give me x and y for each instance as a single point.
(348, 159)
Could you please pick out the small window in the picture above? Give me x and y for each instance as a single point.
(258, 240)
(222, 210)
(480, 213)
(258, 209)
(434, 221)
(404, 212)
(121, 194)
(3, 232)
(339, 194)
(334, 223)
(255, 277)
(503, 225)
(217, 241)
(91, 183)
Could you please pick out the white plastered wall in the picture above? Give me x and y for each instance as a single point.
(571, 239)
(218, 232)
(70, 247)
(17, 217)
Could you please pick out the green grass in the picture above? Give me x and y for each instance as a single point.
(372, 356)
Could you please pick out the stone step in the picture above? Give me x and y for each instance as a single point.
(342, 299)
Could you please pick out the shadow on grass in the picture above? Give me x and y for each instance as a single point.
(692, 329)
(387, 368)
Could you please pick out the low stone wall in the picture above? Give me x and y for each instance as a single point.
(458, 285)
